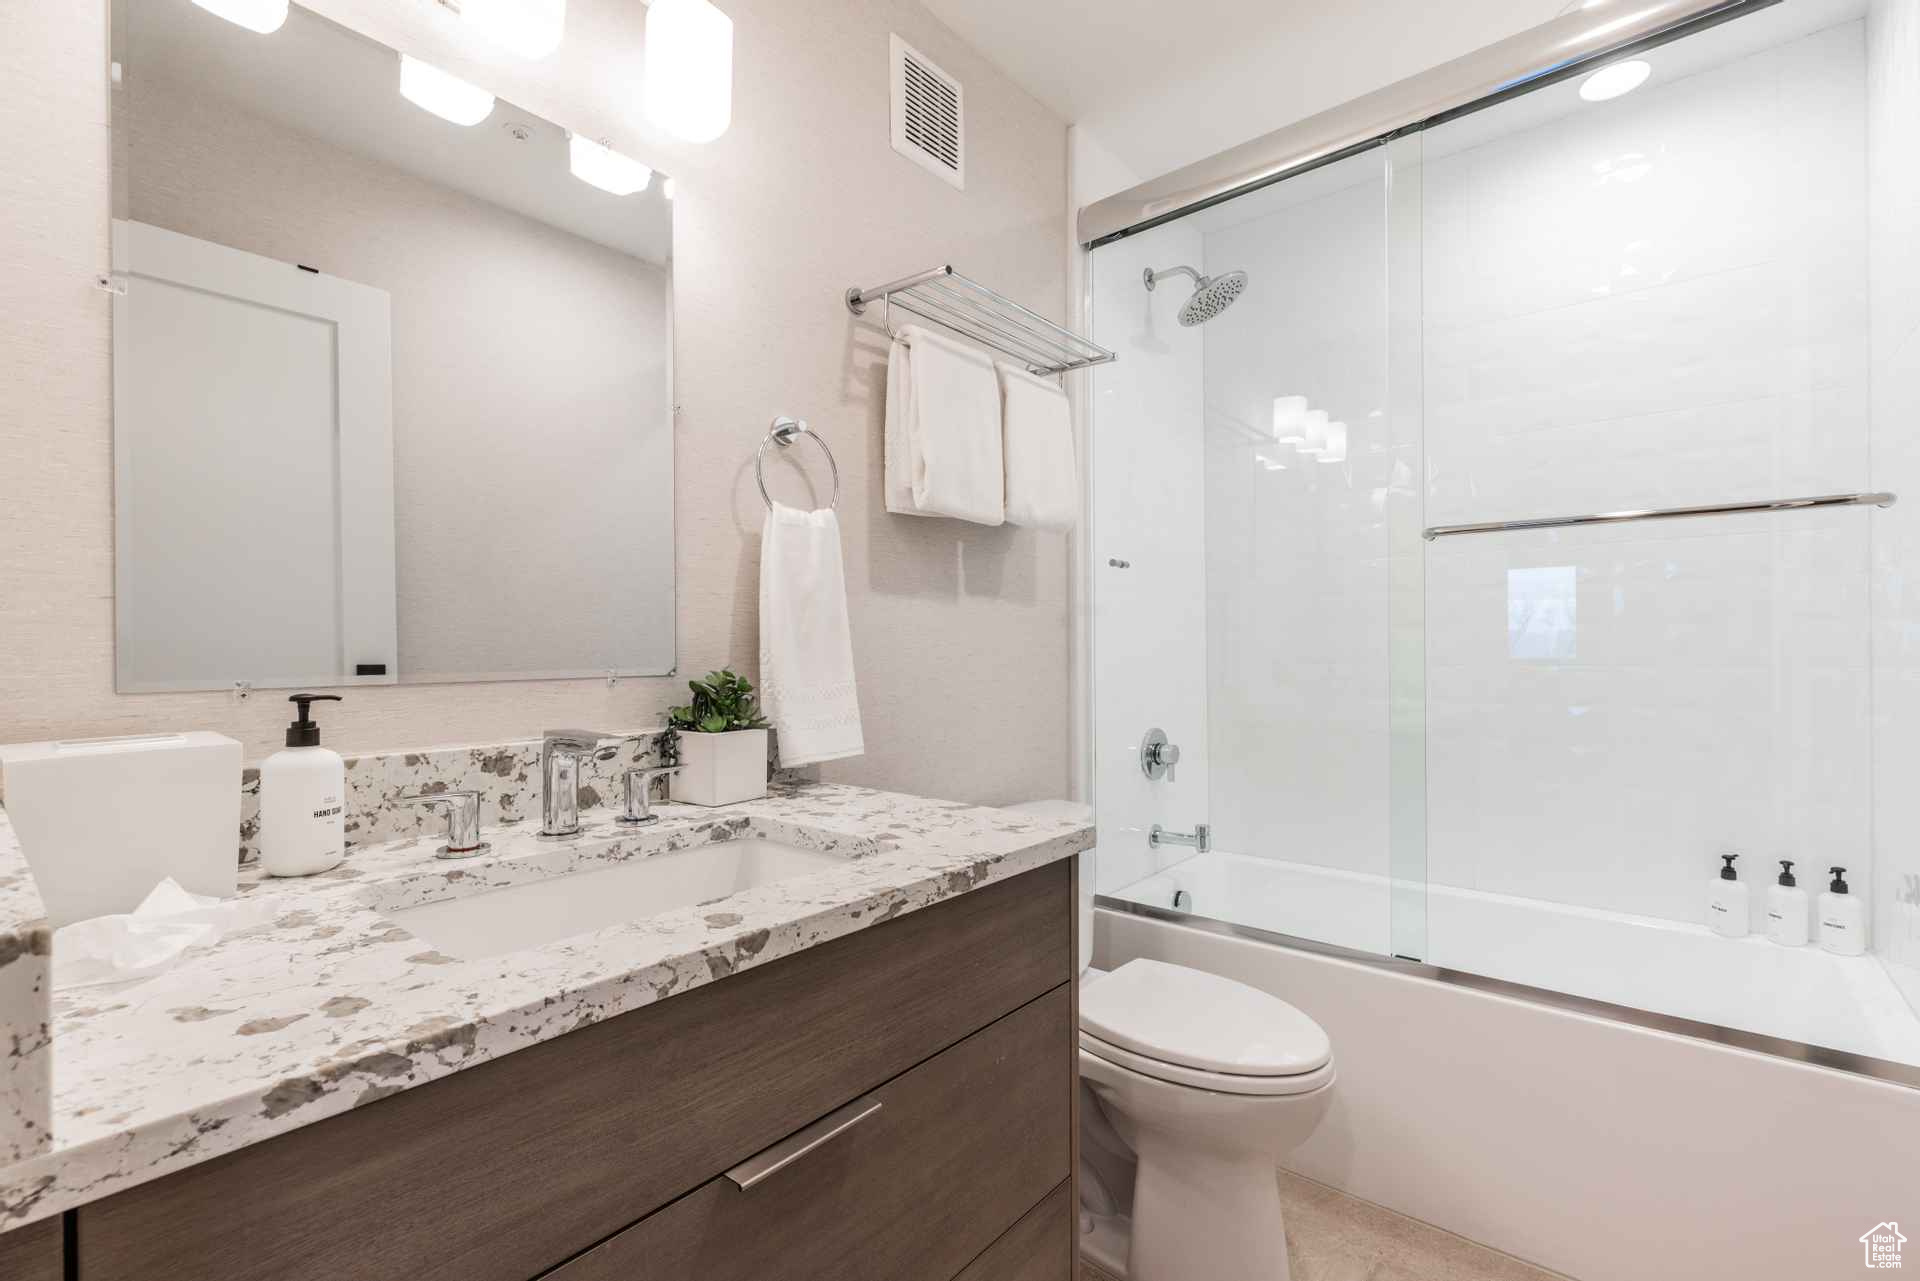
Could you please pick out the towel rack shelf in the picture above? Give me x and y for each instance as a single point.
(952, 301)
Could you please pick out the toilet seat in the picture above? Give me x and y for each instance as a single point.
(1187, 1021)
(1195, 1078)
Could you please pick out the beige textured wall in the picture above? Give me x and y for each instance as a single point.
(960, 632)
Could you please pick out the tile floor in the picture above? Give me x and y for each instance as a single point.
(1335, 1237)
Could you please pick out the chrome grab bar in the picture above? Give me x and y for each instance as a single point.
(1664, 513)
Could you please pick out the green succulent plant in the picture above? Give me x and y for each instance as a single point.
(722, 701)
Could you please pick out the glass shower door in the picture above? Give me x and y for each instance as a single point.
(1255, 511)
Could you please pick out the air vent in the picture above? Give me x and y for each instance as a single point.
(928, 124)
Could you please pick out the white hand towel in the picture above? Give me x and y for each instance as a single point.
(899, 450)
(943, 430)
(1043, 477)
(806, 644)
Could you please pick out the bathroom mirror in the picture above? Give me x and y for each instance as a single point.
(392, 371)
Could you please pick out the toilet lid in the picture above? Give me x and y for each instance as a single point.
(1200, 1020)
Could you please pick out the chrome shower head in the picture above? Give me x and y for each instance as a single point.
(1211, 294)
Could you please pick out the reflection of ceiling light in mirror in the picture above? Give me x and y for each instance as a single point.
(448, 97)
(1314, 436)
(689, 71)
(1615, 79)
(263, 16)
(530, 28)
(666, 188)
(1271, 464)
(601, 167)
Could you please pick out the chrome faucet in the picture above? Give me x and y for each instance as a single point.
(1201, 838)
(463, 821)
(561, 752)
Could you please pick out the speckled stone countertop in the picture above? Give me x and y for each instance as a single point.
(25, 980)
(331, 1005)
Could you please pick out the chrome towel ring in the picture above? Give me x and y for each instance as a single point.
(785, 431)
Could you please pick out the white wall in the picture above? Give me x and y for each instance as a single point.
(1149, 619)
(960, 634)
(1893, 141)
(1607, 1152)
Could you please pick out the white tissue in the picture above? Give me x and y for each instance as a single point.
(168, 923)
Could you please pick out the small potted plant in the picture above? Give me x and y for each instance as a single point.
(719, 741)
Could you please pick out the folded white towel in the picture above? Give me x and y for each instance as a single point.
(806, 644)
(1043, 477)
(943, 430)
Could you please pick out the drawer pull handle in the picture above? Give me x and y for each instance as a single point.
(772, 1160)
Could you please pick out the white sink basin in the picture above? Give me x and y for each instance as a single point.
(522, 916)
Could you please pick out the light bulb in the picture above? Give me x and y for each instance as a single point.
(449, 97)
(689, 69)
(1615, 79)
(262, 16)
(529, 28)
(602, 167)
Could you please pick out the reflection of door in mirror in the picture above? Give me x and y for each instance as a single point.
(253, 448)
(517, 516)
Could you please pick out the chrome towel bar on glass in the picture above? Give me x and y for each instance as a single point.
(967, 307)
(1665, 513)
(784, 432)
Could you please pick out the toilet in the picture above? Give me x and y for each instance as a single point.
(1199, 1087)
(1210, 1083)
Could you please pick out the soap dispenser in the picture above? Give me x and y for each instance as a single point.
(1843, 921)
(303, 794)
(1787, 909)
(1727, 902)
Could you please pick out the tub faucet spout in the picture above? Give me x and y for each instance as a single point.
(1200, 838)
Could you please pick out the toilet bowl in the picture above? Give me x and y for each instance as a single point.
(1211, 1083)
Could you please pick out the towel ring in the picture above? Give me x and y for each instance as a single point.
(785, 430)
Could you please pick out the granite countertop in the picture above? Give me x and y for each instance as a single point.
(26, 945)
(329, 1005)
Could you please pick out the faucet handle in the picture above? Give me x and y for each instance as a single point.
(640, 795)
(463, 821)
(586, 742)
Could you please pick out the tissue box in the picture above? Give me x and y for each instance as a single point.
(102, 821)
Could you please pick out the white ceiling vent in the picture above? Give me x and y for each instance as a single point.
(928, 125)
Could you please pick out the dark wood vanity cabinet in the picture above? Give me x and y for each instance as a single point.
(32, 1253)
(603, 1155)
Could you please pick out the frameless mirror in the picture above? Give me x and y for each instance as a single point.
(392, 371)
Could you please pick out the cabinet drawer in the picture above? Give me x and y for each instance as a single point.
(1041, 1247)
(959, 1150)
(506, 1169)
(32, 1253)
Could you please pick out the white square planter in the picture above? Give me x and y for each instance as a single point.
(719, 769)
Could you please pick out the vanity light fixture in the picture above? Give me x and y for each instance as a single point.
(600, 166)
(689, 69)
(528, 28)
(1615, 79)
(262, 16)
(449, 97)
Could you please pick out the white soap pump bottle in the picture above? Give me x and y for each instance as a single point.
(303, 794)
(1787, 909)
(1727, 902)
(1843, 921)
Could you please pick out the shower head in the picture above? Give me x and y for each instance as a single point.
(1211, 294)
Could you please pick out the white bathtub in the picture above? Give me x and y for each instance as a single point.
(1798, 994)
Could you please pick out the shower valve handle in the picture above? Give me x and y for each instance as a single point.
(1158, 757)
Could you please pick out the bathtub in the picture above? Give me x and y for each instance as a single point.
(1565, 1132)
(1799, 994)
